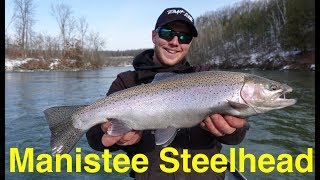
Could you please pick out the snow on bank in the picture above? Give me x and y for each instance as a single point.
(313, 67)
(14, 64)
(254, 57)
(278, 59)
(55, 63)
(11, 64)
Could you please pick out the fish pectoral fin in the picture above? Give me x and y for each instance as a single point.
(164, 137)
(238, 106)
(117, 128)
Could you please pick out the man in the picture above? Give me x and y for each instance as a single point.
(172, 37)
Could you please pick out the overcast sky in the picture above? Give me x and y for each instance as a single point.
(124, 24)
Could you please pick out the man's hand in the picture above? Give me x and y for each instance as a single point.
(220, 126)
(129, 138)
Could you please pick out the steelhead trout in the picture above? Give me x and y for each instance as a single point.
(170, 102)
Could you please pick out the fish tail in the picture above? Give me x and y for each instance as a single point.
(64, 136)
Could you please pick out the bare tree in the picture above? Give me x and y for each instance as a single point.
(83, 28)
(278, 19)
(282, 10)
(8, 43)
(63, 15)
(24, 20)
(95, 44)
(11, 21)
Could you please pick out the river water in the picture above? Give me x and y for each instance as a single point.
(287, 131)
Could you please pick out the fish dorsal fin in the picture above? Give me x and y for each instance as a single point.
(238, 106)
(117, 128)
(162, 76)
(164, 137)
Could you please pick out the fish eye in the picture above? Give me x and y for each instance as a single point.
(273, 87)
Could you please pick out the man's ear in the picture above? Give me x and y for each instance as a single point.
(154, 36)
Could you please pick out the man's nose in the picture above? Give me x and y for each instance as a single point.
(174, 41)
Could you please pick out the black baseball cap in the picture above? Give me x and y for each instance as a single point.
(177, 14)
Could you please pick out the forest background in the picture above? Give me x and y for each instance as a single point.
(264, 34)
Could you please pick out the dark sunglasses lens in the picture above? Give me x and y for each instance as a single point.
(166, 34)
(185, 39)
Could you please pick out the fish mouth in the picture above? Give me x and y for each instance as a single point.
(281, 100)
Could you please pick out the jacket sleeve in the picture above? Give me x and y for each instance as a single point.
(94, 134)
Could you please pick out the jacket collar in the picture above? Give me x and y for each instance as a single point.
(147, 69)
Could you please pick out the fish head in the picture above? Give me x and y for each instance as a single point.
(264, 94)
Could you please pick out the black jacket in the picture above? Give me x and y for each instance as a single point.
(195, 139)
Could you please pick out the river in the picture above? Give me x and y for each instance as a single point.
(286, 131)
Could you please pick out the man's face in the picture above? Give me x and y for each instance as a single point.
(170, 52)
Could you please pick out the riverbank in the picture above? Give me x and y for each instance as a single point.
(303, 61)
(296, 61)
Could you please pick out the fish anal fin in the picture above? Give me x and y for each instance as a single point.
(164, 137)
(117, 128)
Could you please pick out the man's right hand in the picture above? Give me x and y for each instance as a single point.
(129, 138)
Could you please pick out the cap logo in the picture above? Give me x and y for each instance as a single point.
(188, 16)
(180, 11)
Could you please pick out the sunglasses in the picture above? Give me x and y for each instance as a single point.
(169, 34)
